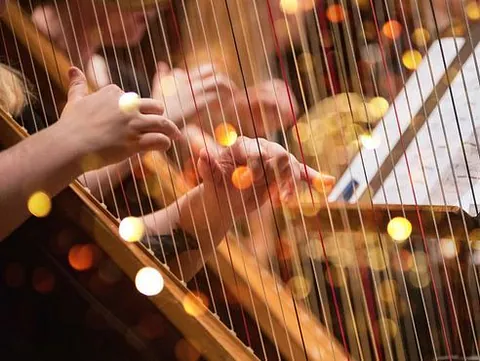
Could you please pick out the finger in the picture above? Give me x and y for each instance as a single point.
(153, 141)
(78, 87)
(208, 167)
(202, 71)
(151, 106)
(220, 82)
(162, 68)
(151, 123)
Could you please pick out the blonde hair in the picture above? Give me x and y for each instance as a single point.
(12, 90)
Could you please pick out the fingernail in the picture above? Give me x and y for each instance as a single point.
(72, 72)
(328, 179)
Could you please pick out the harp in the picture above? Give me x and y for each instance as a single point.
(353, 291)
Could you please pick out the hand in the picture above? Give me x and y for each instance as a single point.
(271, 97)
(174, 88)
(97, 127)
(214, 166)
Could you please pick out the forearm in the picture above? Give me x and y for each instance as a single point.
(46, 161)
(199, 214)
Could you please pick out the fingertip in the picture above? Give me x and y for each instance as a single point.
(73, 72)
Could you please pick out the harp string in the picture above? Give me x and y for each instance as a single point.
(297, 70)
(460, 272)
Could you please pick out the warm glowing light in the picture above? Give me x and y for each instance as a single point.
(129, 102)
(369, 141)
(131, 229)
(388, 291)
(43, 280)
(448, 247)
(421, 37)
(379, 107)
(149, 281)
(411, 59)
(168, 85)
(420, 279)
(399, 229)
(226, 134)
(304, 132)
(39, 204)
(289, 6)
(195, 304)
(473, 10)
(81, 257)
(242, 178)
(335, 13)
(388, 327)
(300, 287)
(392, 29)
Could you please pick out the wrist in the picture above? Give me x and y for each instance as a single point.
(68, 143)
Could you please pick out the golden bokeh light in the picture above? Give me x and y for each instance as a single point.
(388, 328)
(226, 134)
(299, 286)
(411, 59)
(473, 10)
(39, 204)
(448, 248)
(242, 178)
(195, 304)
(304, 132)
(369, 141)
(168, 85)
(43, 281)
(378, 107)
(392, 29)
(81, 257)
(399, 228)
(289, 6)
(376, 259)
(421, 37)
(335, 13)
(129, 102)
(149, 281)
(388, 291)
(322, 184)
(420, 279)
(131, 229)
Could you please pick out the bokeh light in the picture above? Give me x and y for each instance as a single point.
(195, 304)
(129, 102)
(335, 13)
(399, 228)
(299, 286)
(39, 204)
(421, 37)
(289, 6)
(388, 328)
(369, 141)
(411, 59)
(149, 281)
(388, 291)
(376, 259)
(392, 29)
(43, 280)
(378, 107)
(81, 257)
(322, 184)
(242, 178)
(448, 248)
(131, 229)
(420, 280)
(473, 10)
(226, 134)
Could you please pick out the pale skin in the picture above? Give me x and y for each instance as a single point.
(89, 124)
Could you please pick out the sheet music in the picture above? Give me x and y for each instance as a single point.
(445, 180)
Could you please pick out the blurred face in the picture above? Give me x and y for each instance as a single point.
(121, 28)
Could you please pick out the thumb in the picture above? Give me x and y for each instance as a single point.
(162, 68)
(208, 167)
(78, 87)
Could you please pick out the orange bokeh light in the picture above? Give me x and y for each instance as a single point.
(242, 178)
(392, 29)
(335, 13)
(226, 134)
(322, 185)
(43, 280)
(81, 257)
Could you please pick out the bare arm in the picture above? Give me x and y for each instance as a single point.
(45, 161)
